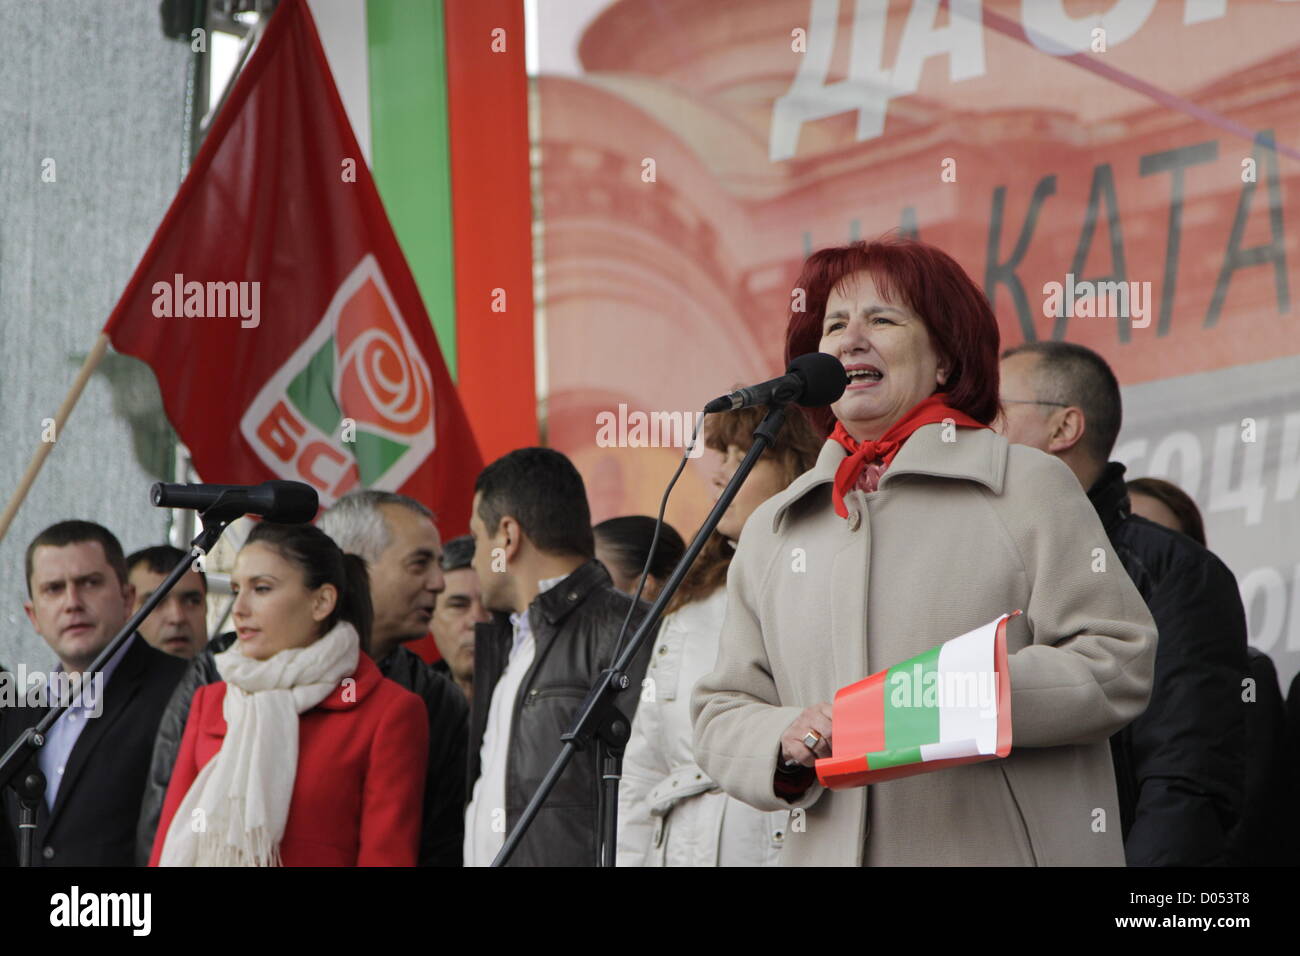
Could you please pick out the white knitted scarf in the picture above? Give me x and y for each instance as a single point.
(235, 812)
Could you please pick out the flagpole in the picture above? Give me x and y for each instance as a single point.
(43, 450)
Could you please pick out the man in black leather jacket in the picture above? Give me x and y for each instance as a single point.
(556, 618)
(1180, 766)
(396, 536)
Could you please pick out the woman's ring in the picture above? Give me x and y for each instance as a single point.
(812, 739)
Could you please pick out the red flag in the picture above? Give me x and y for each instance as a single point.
(276, 308)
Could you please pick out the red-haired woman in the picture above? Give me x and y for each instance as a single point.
(669, 812)
(918, 524)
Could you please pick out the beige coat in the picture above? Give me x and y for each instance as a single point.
(958, 533)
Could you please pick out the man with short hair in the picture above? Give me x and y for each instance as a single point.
(179, 624)
(397, 538)
(556, 619)
(1179, 766)
(96, 755)
(458, 608)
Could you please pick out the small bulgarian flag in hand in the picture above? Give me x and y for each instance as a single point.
(948, 706)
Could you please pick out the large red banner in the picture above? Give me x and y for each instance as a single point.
(278, 313)
(1117, 173)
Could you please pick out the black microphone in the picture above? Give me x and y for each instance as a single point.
(287, 502)
(812, 380)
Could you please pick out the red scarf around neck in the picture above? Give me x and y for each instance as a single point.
(929, 411)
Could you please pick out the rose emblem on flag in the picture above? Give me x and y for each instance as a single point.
(353, 405)
(380, 380)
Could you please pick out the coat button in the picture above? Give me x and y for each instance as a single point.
(572, 595)
(855, 520)
(48, 853)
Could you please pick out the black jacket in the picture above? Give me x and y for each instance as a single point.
(574, 625)
(92, 822)
(443, 827)
(1291, 748)
(1262, 836)
(201, 670)
(1180, 766)
(442, 834)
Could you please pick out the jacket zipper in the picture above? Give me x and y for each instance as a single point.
(568, 690)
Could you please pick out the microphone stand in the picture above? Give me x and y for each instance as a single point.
(28, 745)
(599, 721)
(31, 793)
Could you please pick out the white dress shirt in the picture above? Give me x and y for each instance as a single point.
(485, 818)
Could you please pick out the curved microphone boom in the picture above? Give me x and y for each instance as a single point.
(812, 380)
(287, 502)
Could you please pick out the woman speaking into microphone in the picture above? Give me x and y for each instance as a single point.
(918, 524)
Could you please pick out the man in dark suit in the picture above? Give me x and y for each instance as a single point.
(96, 755)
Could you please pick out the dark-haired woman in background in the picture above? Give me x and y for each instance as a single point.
(303, 754)
(670, 812)
(1166, 504)
(622, 545)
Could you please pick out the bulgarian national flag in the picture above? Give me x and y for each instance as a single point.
(277, 311)
(948, 706)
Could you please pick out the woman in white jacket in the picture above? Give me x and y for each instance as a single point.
(670, 812)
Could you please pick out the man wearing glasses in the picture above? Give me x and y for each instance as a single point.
(1180, 766)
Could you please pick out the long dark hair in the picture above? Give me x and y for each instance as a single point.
(628, 541)
(795, 451)
(321, 561)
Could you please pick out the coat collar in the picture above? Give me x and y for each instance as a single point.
(550, 607)
(1109, 495)
(554, 605)
(352, 690)
(348, 695)
(978, 454)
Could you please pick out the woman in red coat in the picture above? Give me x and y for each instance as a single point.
(303, 755)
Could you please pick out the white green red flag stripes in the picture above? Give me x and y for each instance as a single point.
(947, 706)
(438, 95)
